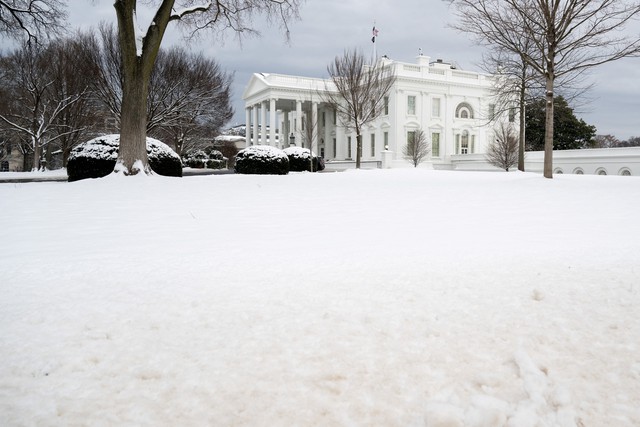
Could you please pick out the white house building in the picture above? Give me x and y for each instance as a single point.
(449, 105)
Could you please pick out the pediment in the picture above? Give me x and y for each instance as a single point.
(257, 84)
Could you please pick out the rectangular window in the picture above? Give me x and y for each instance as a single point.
(435, 107)
(386, 105)
(435, 144)
(335, 148)
(334, 116)
(411, 137)
(324, 123)
(512, 114)
(464, 143)
(348, 147)
(411, 105)
(492, 111)
(473, 144)
(386, 140)
(373, 145)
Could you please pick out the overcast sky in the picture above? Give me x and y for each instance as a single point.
(327, 27)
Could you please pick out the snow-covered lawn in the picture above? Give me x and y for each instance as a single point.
(370, 298)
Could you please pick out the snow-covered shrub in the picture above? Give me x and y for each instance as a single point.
(216, 164)
(208, 158)
(97, 158)
(195, 159)
(162, 159)
(214, 154)
(299, 160)
(262, 160)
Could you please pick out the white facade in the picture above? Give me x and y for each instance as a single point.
(450, 106)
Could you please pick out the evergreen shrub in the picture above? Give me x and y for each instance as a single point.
(262, 160)
(208, 158)
(97, 158)
(299, 160)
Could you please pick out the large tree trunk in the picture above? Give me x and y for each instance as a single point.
(358, 149)
(548, 127)
(138, 58)
(522, 120)
(133, 123)
(37, 150)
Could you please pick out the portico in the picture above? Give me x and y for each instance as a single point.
(284, 110)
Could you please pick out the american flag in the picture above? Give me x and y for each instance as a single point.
(375, 34)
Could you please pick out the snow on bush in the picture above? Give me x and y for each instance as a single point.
(262, 160)
(97, 158)
(299, 159)
(211, 159)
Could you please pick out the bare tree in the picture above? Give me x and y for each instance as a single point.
(35, 19)
(358, 92)
(139, 50)
(309, 135)
(109, 79)
(605, 141)
(568, 37)
(503, 151)
(34, 109)
(73, 66)
(513, 84)
(189, 96)
(417, 148)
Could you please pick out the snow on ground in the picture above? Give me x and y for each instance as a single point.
(17, 176)
(386, 298)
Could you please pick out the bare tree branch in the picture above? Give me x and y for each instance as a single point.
(417, 148)
(35, 19)
(358, 92)
(565, 37)
(503, 151)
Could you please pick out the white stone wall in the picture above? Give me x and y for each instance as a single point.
(599, 161)
(609, 161)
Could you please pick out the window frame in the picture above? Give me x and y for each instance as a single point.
(411, 105)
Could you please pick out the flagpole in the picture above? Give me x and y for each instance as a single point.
(373, 39)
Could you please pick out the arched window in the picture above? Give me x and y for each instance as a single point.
(624, 172)
(578, 171)
(464, 111)
(601, 171)
(558, 171)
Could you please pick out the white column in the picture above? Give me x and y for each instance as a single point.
(314, 129)
(286, 128)
(341, 139)
(247, 126)
(263, 123)
(272, 123)
(255, 125)
(297, 132)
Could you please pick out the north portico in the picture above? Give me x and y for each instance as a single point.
(452, 107)
(277, 107)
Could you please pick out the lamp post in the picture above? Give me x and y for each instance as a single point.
(292, 140)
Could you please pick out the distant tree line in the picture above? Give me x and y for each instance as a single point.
(57, 94)
(610, 141)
